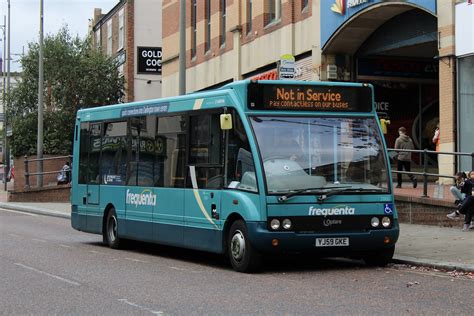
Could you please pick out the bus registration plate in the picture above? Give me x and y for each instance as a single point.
(332, 242)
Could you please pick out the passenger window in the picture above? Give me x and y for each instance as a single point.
(170, 151)
(114, 153)
(84, 153)
(94, 153)
(206, 151)
(133, 154)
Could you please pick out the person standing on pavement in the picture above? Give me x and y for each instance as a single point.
(404, 158)
(436, 137)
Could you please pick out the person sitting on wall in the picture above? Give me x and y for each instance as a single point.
(64, 176)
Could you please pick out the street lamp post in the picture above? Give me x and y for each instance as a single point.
(39, 144)
(4, 102)
(6, 167)
(182, 47)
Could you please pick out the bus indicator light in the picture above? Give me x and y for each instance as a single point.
(386, 240)
(275, 242)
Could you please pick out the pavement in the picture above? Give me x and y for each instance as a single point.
(438, 247)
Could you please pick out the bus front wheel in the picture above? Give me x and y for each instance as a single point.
(111, 230)
(380, 258)
(243, 257)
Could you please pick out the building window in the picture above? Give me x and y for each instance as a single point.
(273, 11)
(207, 18)
(223, 17)
(109, 37)
(193, 28)
(97, 39)
(304, 4)
(121, 30)
(249, 16)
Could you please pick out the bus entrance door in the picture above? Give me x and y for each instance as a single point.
(201, 216)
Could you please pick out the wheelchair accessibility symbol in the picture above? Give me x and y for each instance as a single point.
(388, 209)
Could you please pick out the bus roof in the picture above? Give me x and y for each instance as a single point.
(233, 94)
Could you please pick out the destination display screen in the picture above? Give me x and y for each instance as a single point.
(309, 98)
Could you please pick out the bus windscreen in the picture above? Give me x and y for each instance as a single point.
(309, 98)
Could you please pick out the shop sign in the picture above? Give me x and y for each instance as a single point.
(149, 60)
(268, 75)
(334, 13)
(286, 67)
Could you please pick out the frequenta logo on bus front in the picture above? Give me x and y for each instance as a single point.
(146, 198)
(336, 210)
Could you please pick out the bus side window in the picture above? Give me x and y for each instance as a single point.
(94, 153)
(170, 151)
(240, 165)
(114, 154)
(84, 153)
(206, 150)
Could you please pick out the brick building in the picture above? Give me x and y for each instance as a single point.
(406, 49)
(131, 33)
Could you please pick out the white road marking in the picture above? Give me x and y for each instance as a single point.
(23, 213)
(40, 240)
(184, 269)
(135, 260)
(14, 235)
(94, 251)
(65, 246)
(143, 308)
(48, 274)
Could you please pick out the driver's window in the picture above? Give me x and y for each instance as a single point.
(240, 163)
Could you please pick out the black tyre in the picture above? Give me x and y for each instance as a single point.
(242, 256)
(111, 230)
(380, 258)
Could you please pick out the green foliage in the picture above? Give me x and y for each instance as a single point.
(75, 76)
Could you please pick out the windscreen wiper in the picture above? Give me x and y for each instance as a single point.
(324, 196)
(319, 190)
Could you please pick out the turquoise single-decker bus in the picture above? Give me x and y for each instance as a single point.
(251, 168)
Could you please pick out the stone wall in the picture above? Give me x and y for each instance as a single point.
(60, 193)
(425, 211)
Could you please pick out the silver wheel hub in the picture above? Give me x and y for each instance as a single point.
(237, 245)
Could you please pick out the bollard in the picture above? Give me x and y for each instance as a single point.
(425, 177)
(27, 174)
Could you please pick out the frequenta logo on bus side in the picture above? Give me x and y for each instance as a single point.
(145, 198)
(336, 210)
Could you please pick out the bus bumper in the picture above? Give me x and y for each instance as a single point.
(293, 242)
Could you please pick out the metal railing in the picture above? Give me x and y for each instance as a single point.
(425, 172)
(28, 174)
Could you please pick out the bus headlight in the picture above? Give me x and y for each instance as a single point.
(386, 222)
(375, 222)
(286, 224)
(275, 224)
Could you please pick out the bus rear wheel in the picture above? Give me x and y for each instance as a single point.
(243, 257)
(380, 258)
(111, 230)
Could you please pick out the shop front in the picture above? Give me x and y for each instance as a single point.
(392, 45)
